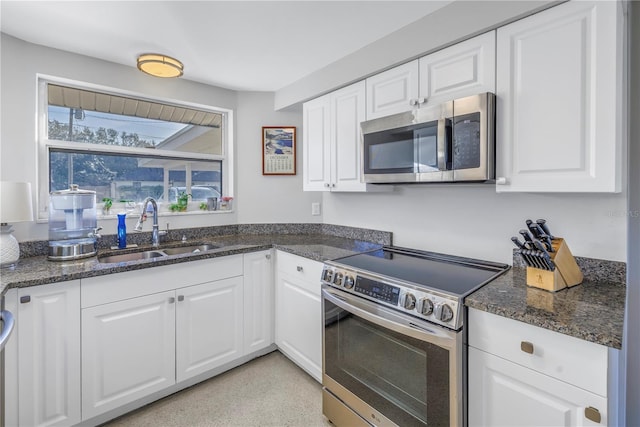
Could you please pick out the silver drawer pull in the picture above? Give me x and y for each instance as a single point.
(180, 297)
(25, 299)
(267, 256)
(527, 347)
(592, 414)
(172, 300)
(299, 268)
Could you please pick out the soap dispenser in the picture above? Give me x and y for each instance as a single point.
(122, 231)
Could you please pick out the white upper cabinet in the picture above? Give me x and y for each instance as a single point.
(392, 91)
(460, 70)
(559, 100)
(332, 153)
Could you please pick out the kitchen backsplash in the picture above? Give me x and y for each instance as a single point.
(40, 247)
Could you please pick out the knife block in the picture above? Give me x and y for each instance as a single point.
(566, 274)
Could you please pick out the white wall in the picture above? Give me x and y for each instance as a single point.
(473, 220)
(268, 199)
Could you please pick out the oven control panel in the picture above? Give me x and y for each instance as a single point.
(425, 304)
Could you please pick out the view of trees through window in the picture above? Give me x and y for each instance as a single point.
(123, 176)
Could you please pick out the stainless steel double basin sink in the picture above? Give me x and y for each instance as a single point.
(156, 253)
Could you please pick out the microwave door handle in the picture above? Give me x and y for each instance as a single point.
(442, 144)
(365, 310)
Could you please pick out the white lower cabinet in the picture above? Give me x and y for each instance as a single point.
(523, 375)
(258, 301)
(43, 356)
(128, 351)
(209, 326)
(503, 393)
(298, 313)
(161, 326)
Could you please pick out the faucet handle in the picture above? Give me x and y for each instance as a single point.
(95, 233)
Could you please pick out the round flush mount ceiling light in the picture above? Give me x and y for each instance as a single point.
(160, 65)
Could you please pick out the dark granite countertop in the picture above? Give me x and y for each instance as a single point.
(37, 270)
(592, 311)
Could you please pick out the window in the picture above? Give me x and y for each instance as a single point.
(127, 148)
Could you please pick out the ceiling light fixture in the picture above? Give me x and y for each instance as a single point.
(160, 65)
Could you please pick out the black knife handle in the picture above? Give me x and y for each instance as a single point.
(517, 242)
(527, 236)
(543, 224)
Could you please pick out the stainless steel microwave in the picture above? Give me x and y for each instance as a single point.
(450, 142)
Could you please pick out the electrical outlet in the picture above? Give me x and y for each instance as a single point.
(315, 208)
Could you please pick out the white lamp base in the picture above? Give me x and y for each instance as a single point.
(9, 248)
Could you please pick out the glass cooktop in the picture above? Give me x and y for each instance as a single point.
(454, 275)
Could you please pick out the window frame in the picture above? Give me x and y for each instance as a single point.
(44, 144)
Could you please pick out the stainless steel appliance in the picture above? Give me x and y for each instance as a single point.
(6, 327)
(393, 337)
(449, 142)
(72, 224)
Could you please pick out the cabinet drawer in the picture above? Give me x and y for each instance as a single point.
(132, 284)
(300, 268)
(566, 358)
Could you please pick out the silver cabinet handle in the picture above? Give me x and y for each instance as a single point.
(299, 268)
(326, 184)
(501, 180)
(25, 299)
(268, 256)
(172, 300)
(9, 323)
(180, 297)
(527, 347)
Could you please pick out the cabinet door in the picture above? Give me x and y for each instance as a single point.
(559, 92)
(464, 69)
(208, 326)
(299, 322)
(128, 351)
(347, 111)
(502, 393)
(258, 301)
(49, 354)
(391, 91)
(316, 142)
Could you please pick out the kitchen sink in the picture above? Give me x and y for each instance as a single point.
(156, 253)
(189, 249)
(134, 256)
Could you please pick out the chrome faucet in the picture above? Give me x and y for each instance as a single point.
(155, 233)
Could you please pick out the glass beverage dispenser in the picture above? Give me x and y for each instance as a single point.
(72, 224)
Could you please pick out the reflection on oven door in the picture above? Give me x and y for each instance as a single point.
(403, 378)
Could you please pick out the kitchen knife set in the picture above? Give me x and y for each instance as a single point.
(537, 245)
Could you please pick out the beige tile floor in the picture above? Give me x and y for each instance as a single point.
(268, 391)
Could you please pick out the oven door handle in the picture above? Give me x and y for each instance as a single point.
(9, 322)
(387, 318)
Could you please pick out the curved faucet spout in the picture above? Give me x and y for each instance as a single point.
(155, 234)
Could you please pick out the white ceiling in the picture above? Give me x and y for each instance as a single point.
(240, 45)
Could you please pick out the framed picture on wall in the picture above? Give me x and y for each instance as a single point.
(278, 150)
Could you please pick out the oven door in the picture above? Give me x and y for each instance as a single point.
(390, 369)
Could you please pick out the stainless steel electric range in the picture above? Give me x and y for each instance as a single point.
(393, 337)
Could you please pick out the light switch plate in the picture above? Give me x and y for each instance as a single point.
(315, 208)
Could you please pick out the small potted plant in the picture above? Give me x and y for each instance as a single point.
(106, 207)
(182, 203)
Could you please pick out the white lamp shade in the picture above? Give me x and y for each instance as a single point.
(15, 202)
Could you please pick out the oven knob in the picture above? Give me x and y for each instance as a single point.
(425, 306)
(408, 301)
(328, 276)
(337, 279)
(444, 312)
(348, 282)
